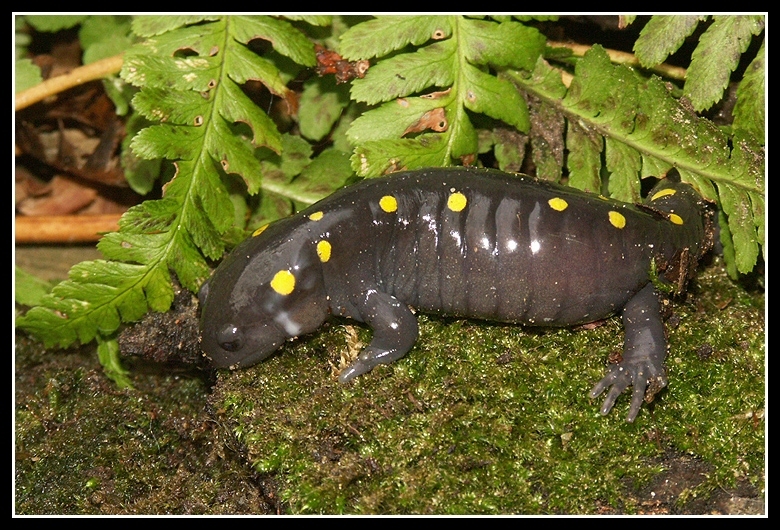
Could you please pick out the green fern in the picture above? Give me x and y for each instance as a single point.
(715, 58)
(189, 69)
(448, 72)
(642, 130)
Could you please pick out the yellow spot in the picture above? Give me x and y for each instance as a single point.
(260, 230)
(663, 193)
(456, 202)
(316, 216)
(558, 204)
(676, 219)
(283, 282)
(617, 219)
(323, 251)
(388, 203)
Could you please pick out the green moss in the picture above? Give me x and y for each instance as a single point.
(486, 418)
(84, 447)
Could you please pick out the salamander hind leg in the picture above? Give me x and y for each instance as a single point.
(395, 332)
(643, 355)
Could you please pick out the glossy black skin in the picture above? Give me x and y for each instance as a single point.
(506, 255)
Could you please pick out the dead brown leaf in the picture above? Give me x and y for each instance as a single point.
(62, 196)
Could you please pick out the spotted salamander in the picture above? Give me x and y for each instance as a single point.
(467, 242)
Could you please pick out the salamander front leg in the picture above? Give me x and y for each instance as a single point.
(643, 355)
(395, 332)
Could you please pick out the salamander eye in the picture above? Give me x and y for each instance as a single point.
(230, 338)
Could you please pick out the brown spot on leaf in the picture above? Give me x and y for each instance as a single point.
(434, 119)
(469, 159)
(437, 95)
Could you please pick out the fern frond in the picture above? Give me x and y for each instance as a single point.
(645, 131)
(449, 70)
(716, 56)
(189, 70)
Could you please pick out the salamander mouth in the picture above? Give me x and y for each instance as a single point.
(246, 361)
(247, 356)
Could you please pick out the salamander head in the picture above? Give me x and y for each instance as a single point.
(680, 204)
(267, 291)
(691, 230)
